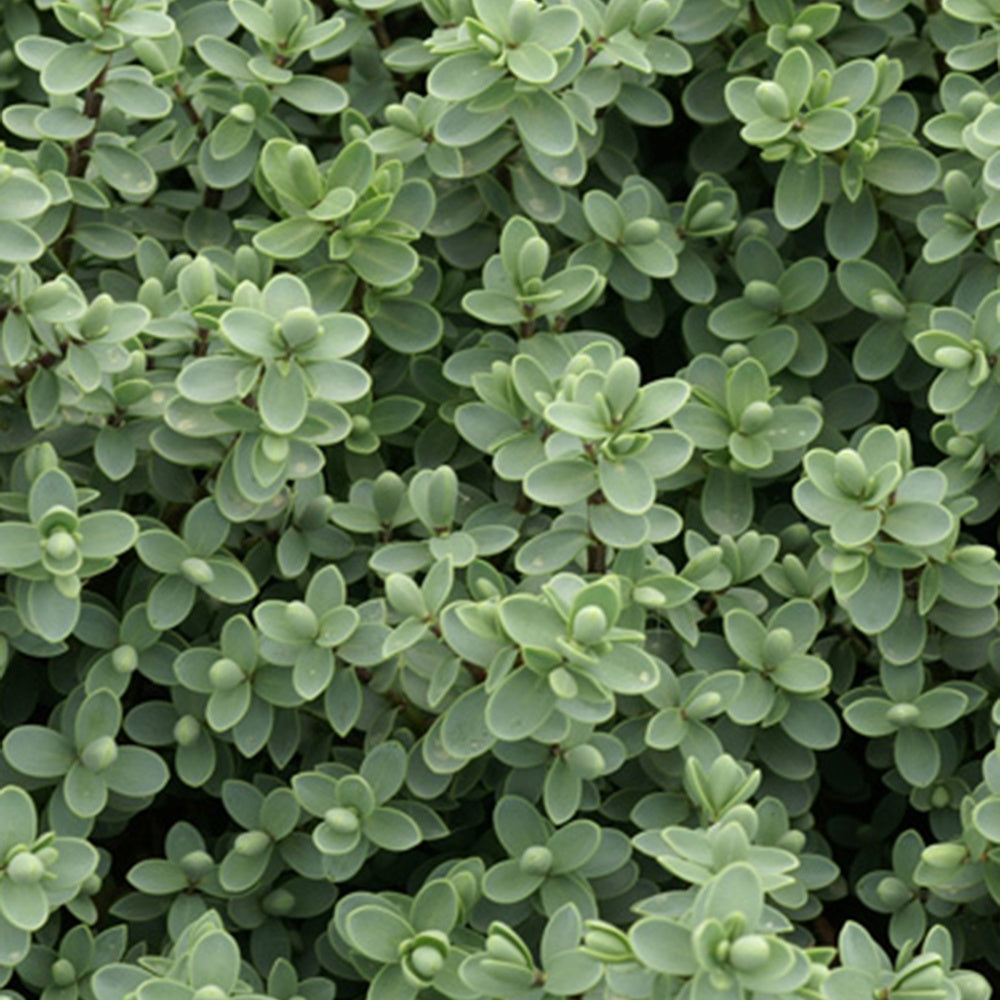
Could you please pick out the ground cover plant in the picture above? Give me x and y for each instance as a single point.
(497, 499)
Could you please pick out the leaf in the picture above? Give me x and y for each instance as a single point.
(917, 756)
(24, 904)
(663, 945)
(383, 262)
(827, 129)
(532, 64)
(282, 398)
(544, 122)
(917, 523)
(53, 615)
(20, 545)
(904, 170)
(86, 791)
(519, 706)
(72, 68)
(20, 820)
(314, 94)
(124, 170)
(799, 192)
(561, 482)
(18, 243)
(462, 76)
(506, 882)
(377, 932)
(106, 533)
(391, 829)
(23, 198)
(38, 751)
(215, 961)
(727, 503)
(289, 239)
(626, 484)
(137, 773)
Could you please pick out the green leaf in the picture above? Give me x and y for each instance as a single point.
(917, 756)
(18, 243)
(727, 503)
(663, 945)
(799, 192)
(314, 94)
(20, 821)
(137, 773)
(462, 76)
(86, 791)
(124, 170)
(519, 706)
(383, 262)
(106, 533)
(215, 961)
(19, 545)
(561, 482)
(282, 398)
(917, 523)
(38, 751)
(544, 122)
(53, 615)
(626, 484)
(391, 829)
(532, 64)
(904, 170)
(289, 239)
(24, 904)
(72, 68)
(377, 932)
(827, 129)
(22, 198)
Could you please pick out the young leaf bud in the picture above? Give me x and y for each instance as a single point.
(773, 100)
(640, 232)
(850, 473)
(763, 295)
(536, 860)
(749, 952)
(225, 674)
(589, 625)
(903, 714)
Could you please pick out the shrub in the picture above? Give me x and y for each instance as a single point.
(498, 499)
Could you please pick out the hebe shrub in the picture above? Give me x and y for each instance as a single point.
(498, 499)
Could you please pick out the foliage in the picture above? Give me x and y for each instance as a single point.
(498, 499)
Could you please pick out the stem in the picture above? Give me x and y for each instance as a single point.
(597, 557)
(92, 103)
(23, 374)
(212, 197)
(477, 673)
(190, 110)
(382, 35)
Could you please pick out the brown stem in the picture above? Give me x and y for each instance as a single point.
(597, 557)
(212, 197)
(190, 110)
(382, 35)
(23, 374)
(201, 344)
(477, 673)
(825, 933)
(92, 103)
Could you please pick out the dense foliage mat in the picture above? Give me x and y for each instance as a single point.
(498, 499)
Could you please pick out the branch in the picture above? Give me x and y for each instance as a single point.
(93, 101)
